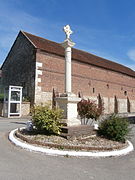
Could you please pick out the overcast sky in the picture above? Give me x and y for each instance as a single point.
(102, 27)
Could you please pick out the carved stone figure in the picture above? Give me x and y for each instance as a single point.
(67, 31)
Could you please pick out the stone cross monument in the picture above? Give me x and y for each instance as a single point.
(68, 101)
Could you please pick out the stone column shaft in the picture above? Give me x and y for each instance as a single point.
(68, 44)
(68, 74)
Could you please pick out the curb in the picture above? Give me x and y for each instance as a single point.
(56, 152)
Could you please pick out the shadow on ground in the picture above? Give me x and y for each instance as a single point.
(18, 122)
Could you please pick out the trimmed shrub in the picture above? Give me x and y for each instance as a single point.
(47, 120)
(115, 128)
(89, 109)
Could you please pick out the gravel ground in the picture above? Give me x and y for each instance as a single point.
(86, 142)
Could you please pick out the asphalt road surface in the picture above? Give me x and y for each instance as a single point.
(20, 164)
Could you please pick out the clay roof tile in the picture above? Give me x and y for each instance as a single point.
(79, 55)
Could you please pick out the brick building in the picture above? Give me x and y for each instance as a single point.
(37, 64)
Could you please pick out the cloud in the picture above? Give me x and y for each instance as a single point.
(131, 54)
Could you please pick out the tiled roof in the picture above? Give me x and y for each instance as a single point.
(82, 56)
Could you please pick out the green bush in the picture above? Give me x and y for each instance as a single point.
(46, 120)
(26, 99)
(115, 128)
(89, 109)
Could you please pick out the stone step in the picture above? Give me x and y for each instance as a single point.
(76, 131)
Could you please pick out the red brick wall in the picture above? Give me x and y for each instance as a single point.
(52, 72)
(85, 78)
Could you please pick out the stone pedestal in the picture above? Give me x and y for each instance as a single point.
(68, 103)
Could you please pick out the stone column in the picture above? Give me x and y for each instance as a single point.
(68, 101)
(68, 44)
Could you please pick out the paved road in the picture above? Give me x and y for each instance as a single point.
(19, 164)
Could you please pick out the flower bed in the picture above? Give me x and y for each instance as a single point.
(84, 143)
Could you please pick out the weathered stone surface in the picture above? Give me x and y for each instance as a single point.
(25, 108)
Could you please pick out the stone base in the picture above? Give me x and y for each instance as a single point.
(70, 132)
(71, 122)
(68, 103)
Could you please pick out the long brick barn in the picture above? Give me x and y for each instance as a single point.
(37, 64)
